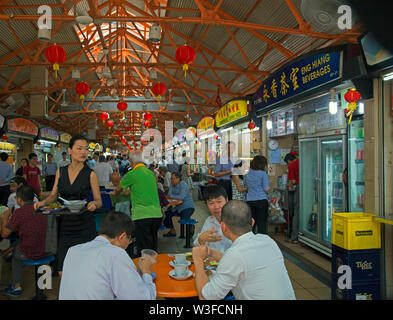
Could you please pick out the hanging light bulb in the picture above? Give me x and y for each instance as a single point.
(333, 106)
(269, 123)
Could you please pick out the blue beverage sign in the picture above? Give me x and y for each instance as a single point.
(297, 78)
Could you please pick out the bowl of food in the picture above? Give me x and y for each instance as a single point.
(75, 205)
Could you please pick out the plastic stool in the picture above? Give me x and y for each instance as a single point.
(39, 293)
(188, 223)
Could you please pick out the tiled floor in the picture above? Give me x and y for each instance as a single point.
(306, 286)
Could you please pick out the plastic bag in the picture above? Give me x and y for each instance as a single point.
(276, 215)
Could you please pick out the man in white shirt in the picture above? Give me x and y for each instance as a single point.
(252, 268)
(102, 270)
(103, 171)
(65, 162)
(211, 233)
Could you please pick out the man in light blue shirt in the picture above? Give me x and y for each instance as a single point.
(5, 177)
(102, 270)
(179, 190)
(49, 170)
(223, 169)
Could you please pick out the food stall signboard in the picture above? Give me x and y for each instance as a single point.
(65, 138)
(22, 125)
(231, 111)
(298, 77)
(190, 133)
(49, 134)
(205, 126)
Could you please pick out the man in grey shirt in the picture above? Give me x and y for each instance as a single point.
(49, 169)
(102, 270)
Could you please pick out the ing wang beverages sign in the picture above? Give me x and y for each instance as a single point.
(298, 77)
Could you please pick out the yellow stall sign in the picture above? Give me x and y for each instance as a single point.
(205, 126)
(233, 110)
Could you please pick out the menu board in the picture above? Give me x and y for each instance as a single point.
(49, 133)
(65, 138)
(282, 124)
(22, 125)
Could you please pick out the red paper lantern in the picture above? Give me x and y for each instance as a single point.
(4, 138)
(123, 140)
(146, 123)
(122, 106)
(352, 96)
(251, 125)
(109, 124)
(128, 128)
(58, 146)
(185, 55)
(104, 116)
(159, 90)
(132, 137)
(82, 88)
(38, 143)
(55, 55)
(148, 116)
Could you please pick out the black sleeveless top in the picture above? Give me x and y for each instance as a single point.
(78, 224)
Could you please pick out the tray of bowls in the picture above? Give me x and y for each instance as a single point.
(70, 208)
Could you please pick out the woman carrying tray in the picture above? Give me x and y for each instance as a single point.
(74, 182)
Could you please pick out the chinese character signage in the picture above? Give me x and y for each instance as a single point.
(205, 126)
(49, 133)
(22, 125)
(299, 77)
(231, 111)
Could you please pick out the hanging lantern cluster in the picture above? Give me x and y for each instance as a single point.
(251, 125)
(122, 107)
(159, 89)
(352, 97)
(185, 55)
(55, 55)
(82, 88)
(147, 116)
(104, 116)
(109, 123)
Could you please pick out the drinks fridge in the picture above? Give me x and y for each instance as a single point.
(322, 190)
(356, 166)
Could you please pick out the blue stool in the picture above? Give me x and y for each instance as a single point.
(39, 293)
(188, 223)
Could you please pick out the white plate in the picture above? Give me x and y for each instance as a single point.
(172, 263)
(172, 275)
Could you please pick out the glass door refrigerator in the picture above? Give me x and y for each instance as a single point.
(356, 165)
(322, 155)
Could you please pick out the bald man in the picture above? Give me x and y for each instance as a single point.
(252, 268)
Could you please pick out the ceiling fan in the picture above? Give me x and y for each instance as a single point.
(64, 103)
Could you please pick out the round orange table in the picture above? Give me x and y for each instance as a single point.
(166, 286)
